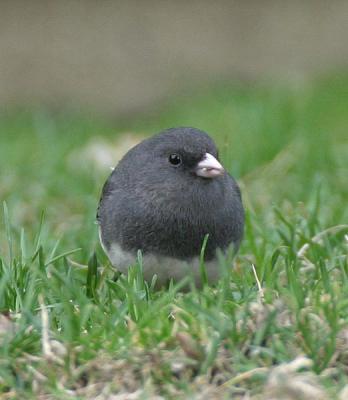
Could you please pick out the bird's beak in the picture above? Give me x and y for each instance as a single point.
(209, 167)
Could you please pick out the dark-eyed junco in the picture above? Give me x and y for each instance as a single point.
(163, 197)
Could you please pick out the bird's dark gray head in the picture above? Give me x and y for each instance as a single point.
(177, 155)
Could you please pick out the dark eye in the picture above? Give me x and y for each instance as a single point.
(175, 159)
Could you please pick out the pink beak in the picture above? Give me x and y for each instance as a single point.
(209, 167)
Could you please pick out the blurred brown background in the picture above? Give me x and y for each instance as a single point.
(122, 56)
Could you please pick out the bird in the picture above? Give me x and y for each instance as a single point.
(163, 198)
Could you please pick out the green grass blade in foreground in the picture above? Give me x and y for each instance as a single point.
(92, 277)
(202, 267)
(8, 232)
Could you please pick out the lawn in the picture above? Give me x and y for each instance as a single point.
(276, 324)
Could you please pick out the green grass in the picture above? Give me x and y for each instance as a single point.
(70, 327)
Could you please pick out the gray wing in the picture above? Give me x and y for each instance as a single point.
(106, 191)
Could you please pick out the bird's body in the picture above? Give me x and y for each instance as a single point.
(163, 198)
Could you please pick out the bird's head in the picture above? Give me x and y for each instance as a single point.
(175, 158)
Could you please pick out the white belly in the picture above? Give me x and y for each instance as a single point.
(165, 268)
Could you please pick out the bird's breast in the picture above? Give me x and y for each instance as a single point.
(164, 267)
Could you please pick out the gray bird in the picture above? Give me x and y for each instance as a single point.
(164, 196)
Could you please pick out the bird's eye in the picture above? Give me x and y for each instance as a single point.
(175, 159)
